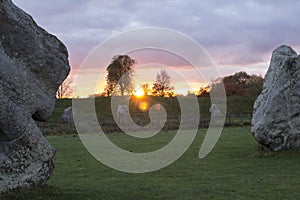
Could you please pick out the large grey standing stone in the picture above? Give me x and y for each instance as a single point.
(276, 119)
(33, 63)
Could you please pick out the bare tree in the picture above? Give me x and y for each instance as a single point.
(162, 86)
(65, 90)
(145, 88)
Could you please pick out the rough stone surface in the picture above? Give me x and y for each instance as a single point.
(276, 119)
(33, 63)
(67, 116)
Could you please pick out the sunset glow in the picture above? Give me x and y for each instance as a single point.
(139, 93)
(247, 47)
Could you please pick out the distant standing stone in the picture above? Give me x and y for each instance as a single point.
(276, 118)
(67, 116)
(215, 111)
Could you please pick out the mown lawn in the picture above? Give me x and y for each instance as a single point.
(235, 169)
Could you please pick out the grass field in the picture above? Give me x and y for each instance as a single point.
(235, 169)
(238, 107)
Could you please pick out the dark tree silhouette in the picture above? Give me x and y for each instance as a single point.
(145, 88)
(203, 92)
(234, 89)
(241, 83)
(162, 86)
(255, 85)
(120, 74)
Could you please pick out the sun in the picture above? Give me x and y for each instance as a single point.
(139, 93)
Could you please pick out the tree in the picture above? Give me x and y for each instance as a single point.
(145, 88)
(203, 92)
(241, 84)
(65, 90)
(239, 78)
(233, 89)
(109, 88)
(255, 85)
(120, 74)
(162, 86)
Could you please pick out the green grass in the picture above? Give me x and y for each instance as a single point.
(238, 108)
(235, 169)
(235, 104)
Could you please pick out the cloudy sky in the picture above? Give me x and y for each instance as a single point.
(238, 35)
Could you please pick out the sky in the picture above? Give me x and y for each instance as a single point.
(238, 35)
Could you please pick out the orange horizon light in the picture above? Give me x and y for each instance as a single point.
(139, 93)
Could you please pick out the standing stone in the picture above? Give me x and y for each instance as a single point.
(215, 111)
(276, 119)
(67, 116)
(33, 63)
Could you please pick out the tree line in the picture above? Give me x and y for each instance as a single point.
(237, 84)
(120, 74)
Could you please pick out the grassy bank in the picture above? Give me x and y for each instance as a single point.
(235, 169)
(239, 109)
